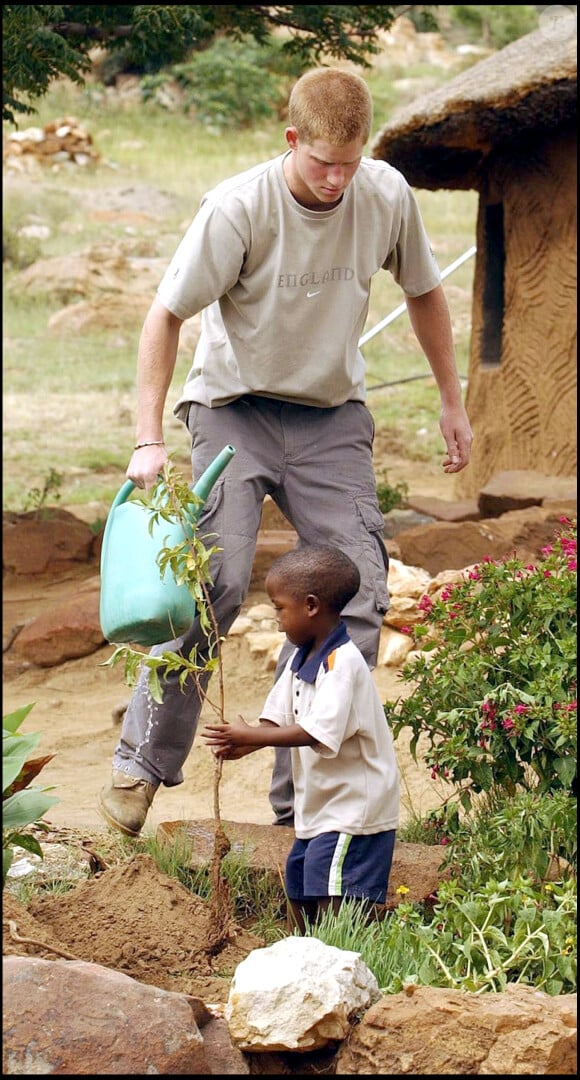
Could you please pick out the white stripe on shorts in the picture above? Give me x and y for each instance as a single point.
(335, 874)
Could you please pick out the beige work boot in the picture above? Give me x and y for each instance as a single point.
(125, 801)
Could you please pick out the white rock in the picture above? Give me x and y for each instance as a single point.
(298, 994)
(262, 642)
(241, 626)
(396, 648)
(260, 611)
(406, 580)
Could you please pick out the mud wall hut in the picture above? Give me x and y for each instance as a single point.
(506, 127)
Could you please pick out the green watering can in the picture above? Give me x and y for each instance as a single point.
(137, 605)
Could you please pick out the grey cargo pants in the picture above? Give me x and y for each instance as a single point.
(316, 464)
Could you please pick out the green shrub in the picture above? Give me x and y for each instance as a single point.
(232, 85)
(22, 805)
(495, 685)
(391, 497)
(18, 251)
(479, 940)
(505, 836)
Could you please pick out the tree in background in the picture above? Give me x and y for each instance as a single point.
(494, 25)
(43, 42)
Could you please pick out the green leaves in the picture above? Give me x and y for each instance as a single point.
(43, 42)
(171, 500)
(479, 940)
(21, 805)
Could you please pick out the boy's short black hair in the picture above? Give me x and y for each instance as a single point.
(322, 570)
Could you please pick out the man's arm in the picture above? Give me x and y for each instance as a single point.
(155, 366)
(431, 322)
(235, 740)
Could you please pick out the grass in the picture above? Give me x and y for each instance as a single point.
(69, 397)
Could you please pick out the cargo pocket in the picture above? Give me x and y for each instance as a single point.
(372, 536)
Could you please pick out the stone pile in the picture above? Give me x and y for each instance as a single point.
(74, 1017)
(59, 141)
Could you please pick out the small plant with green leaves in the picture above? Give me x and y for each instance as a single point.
(391, 498)
(37, 497)
(188, 561)
(172, 499)
(22, 805)
(495, 684)
(475, 939)
(530, 834)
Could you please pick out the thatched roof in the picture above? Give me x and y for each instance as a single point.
(442, 139)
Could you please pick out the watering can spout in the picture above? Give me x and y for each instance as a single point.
(137, 604)
(208, 478)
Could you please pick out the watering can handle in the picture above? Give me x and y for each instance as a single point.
(203, 486)
(122, 495)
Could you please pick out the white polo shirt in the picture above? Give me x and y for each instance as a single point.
(349, 780)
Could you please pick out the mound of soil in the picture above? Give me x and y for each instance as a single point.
(136, 920)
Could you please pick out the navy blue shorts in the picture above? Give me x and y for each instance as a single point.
(337, 864)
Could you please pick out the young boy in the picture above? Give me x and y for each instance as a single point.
(326, 707)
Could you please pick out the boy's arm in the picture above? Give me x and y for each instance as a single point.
(235, 740)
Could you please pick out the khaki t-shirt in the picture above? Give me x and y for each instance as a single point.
(284, 290)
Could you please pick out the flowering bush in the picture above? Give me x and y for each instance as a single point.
(495, 684)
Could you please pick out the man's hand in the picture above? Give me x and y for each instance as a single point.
(456, 431)
(146, 466)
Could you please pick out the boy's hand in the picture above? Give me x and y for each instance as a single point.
(230, 741)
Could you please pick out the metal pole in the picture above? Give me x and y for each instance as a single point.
(403, 307)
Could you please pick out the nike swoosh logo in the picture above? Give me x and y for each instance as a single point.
(309, 294)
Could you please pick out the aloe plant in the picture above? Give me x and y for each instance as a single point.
(22, 805)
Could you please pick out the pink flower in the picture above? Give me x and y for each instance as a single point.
(444, 840)
(521, 708)
(547, 550)
(406, 630)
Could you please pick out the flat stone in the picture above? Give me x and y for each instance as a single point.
(415, 867)
(515, 489)
(445, 509)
